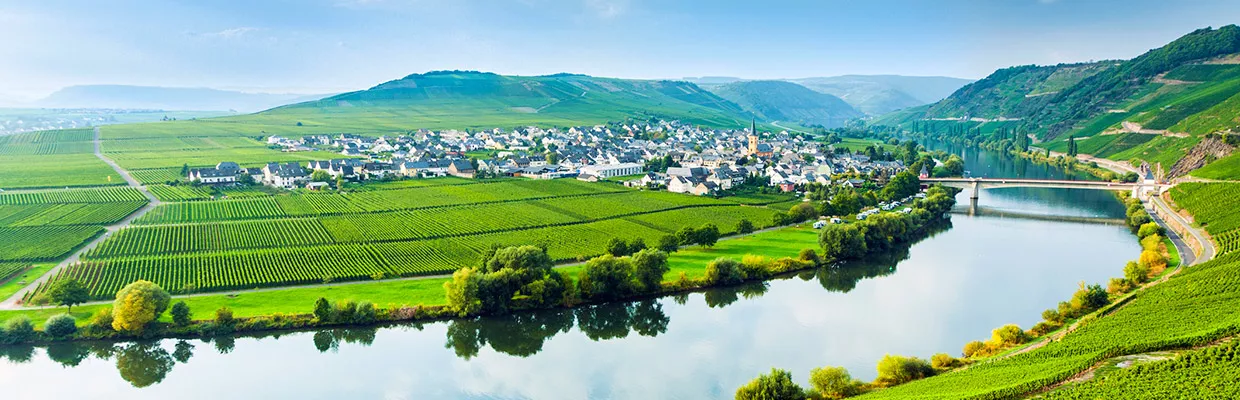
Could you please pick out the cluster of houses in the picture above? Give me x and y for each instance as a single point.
(697, 160)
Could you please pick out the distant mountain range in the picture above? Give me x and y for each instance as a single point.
(167, 98)
(787, 101)
(871, 94)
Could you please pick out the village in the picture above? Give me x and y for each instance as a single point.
(665, 155)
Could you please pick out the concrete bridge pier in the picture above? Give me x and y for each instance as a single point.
(977, 188)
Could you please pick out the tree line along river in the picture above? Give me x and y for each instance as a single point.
(934, 296)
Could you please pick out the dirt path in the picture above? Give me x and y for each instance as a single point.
(12, 301)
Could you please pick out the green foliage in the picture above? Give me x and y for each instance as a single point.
(18, 329)
(776, 385)
(1199, 374)
(323, 309)
(942, 361)
(1008, 335)
(649, 266)
(669, 243)
(787, 101)
(834, 383)
(180, 314)
(617, 247)
(972, 348)
(224, 316)
(462, 292)
(60, 326)
(138, 304)
(894, 370)
(68, 292)
(724, 271)
(745, 226)
(842, 242)
(610, 277)
(366, 313)
(901, 185)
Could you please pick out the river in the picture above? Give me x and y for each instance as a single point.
(932, 297)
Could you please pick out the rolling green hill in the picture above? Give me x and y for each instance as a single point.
(786, 101)
(878, 94)
(1175, 94)
(467, 99)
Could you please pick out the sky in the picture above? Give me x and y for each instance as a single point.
(326, 46)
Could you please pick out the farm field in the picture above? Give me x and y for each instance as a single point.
(52, 159)
(46, 225)
(1213, 205)
(304, 238)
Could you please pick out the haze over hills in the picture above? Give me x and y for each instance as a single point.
(786, 101)
(470, 99)
(167, 98)
(871, 94)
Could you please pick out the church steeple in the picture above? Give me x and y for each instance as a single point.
(753, 126)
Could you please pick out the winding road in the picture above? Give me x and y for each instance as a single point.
(152, 201)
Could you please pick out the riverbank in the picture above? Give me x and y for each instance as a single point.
(423, 299)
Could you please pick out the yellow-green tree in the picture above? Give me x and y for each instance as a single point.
(138, 304)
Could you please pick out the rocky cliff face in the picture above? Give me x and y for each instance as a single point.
(1208, 149)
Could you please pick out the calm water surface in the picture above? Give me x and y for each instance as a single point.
(933, 297)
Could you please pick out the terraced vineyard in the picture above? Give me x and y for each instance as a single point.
(1214, 206)
(47, 225)
(8, 269)
(216, 245)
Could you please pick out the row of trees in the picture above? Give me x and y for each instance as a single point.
(838, 383)
(881, 231)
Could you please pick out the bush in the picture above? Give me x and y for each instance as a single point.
(137, 305)
(1136, 272)
(346, 311)
(649, 266)
(1088, 298)
(101, 320)
(1153, 261)
(1120, 286)
(1150, 228)
(1043, 328)
(1052, 316)
(842, 242)
(833, 383)
(972, 348)
(365, 313)
(60, 326)
(809, 255)
(1009, 334)
(724, 271)
(224, 316)
(180, 314)
(894, 370)
(18, 329)
(944, 361)
(777, 385)
(609, 277)
(323, 310)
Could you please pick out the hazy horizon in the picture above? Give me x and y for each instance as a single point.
(328, 46)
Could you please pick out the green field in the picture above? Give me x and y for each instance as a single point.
(431, 227)
(48, 159)
(1226, 168)
(46, 225)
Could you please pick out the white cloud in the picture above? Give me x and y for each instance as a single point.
(232, 33)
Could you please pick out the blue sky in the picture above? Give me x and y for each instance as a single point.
(314, 46)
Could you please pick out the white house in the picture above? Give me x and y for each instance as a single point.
(612, 170)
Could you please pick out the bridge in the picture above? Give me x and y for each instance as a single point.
(977, 184)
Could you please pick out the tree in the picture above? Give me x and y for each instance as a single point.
(1071, 146)
(687, 236)
(803, 212)
(16, 330)
(617, 247)
(954, 166)
(894, 370)
(669, 243)
(1088, 298)
(323, 309)
(972, 348)
(636, 245)
(724, 271)
(745, 226)
(224, 316)
(609, 277)
(1136, 272)
(944, 361)
(777, 385)
(902, 185)
(1009, 334)
(649, 266)
(60, 326)
(320, 176)
(68, 292)
(833, 383)
(180, 314)
(143, 364)
(462, 292)
(138, 304)
(842, 242)
(1150, 228)
(707, 235)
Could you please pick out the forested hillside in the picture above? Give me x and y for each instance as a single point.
(786, 101)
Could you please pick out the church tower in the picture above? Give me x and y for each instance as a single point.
(753, 136)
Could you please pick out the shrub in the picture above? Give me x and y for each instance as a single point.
(842, 242)
(1043, 328)
(972, 348)
(101, 320)
(1088, 298)
(180, 314)
(1120, 286)
(894, 370)
(1153, 261)
(649, 266)
(323, 310)
(346, 311)
(138, 304)
(777, 385)
(1136, 272)
(60, 326)
(833, 383)
(756, 266)
(1052, 316)
(365, 313)
(609, 277)
(809, 255)
(224, 316)
(18, 329)
(944, 361)
(1009, 334)
(1150, 228)
(724, 271)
